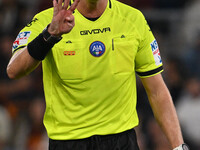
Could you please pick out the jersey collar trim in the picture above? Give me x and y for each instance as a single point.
(110, 4)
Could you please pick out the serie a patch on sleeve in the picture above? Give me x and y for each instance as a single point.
(156, 52)
(21, 39)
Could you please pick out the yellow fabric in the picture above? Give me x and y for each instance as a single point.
(88, 95)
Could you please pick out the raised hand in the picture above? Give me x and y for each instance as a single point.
(63, 19)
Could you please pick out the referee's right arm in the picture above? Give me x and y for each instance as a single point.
(27, 59)
(21, 64)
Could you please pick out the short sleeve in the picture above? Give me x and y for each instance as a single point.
(29, 32)
(148, 61)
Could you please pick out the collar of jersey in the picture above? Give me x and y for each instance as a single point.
(109, 6)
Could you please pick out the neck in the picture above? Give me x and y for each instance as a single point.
(92, 8)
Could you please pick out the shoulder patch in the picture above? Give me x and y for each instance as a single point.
(156, 52)
(21, 39)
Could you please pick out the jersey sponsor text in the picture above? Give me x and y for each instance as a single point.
(95, 31)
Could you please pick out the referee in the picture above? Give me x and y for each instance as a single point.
(90, 51)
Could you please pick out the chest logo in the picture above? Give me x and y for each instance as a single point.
(95, 31)
(97, 49)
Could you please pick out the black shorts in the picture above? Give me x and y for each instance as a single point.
(121, 141)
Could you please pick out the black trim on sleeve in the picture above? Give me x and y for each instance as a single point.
(18, 49)
(148, 73)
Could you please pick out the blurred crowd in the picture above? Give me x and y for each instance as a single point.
(175, 24)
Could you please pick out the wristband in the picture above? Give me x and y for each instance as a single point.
(42, 44)
(50, 38)
(182, 147)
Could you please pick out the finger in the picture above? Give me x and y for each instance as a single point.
(55, 6)
(70, 18)
(71, 24)
(60, 4)
(74, 5)
(66, 4)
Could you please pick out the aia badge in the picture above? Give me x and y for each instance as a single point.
(21, 39)
(97, 49)
(156, 52)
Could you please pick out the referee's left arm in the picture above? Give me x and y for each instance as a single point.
(163, 108)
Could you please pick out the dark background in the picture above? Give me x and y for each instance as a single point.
(176, 26)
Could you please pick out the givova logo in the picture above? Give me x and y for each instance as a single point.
(95, 31)
(97, 49)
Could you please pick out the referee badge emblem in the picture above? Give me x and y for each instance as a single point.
(97, 49)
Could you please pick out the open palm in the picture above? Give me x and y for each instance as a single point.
(63, 19)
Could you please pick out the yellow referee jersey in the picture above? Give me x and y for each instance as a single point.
(89, 76)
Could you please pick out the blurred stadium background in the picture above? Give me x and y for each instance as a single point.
(176, 26)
